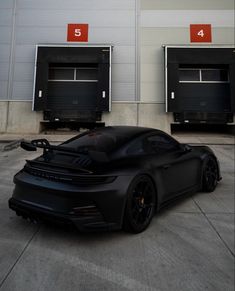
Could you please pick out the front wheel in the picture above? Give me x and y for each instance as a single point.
(210, 175)
(140, 205)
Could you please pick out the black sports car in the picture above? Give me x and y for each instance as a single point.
(110, 178)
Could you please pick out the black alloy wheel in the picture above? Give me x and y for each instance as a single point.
(210, 175)
(140, 205)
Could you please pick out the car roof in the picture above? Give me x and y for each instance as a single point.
(110, 138)
(128, 131)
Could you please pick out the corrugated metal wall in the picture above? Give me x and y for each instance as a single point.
(167, 22)
(136, 28)
(23, 24)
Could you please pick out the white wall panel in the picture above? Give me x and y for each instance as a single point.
(115, 36)
(4, 68)
(152, 54)
(24, 72)
(152, 92)
(182, 18)
(123, 73)
(123, 91)
(4, 4)
(152, 73)
(223, 35)
(6, 17)
(25, 53)
(3, 90)
(187, 4)
(123, 54)
(77, 5)
(5, 34)
(34, 35)
(54, 18)
(157, 36)
(22, 91)
(4, 53)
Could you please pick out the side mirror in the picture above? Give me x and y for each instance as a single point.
(28, 146)
(186, 148)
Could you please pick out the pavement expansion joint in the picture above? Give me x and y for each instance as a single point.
(213, 227)
(19, 257)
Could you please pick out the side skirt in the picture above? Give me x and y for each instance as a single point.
(180, 196)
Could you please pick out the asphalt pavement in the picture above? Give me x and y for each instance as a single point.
(189, 246)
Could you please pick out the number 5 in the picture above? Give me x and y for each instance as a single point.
(201, 33)
(77, 32)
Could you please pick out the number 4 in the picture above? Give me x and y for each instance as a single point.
(201, 33)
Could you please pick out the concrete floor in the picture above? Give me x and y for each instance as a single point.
(188, 247)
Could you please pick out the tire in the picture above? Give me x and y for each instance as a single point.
(210, 175)
(140, 204)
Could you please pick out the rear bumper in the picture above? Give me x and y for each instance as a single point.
(88, 223)
(99, 207)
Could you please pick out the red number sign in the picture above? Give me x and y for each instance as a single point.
(77, 32)
(200, 33)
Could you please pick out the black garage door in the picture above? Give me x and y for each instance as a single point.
(200, 84)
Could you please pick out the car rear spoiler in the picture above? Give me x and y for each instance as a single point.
(100, 157)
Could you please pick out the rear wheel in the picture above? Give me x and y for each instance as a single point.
(140, 205)
(210, 175)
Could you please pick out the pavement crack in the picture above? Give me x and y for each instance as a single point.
(214, 228)
(20, 256)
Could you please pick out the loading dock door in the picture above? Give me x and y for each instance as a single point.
(200, 84)
(72, 86)
(72, 83)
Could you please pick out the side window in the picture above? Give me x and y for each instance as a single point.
(136, 148)
(160, 144)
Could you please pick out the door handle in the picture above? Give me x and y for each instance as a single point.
(103, 94)
(172, 95)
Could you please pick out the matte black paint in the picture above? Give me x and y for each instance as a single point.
(52, 185)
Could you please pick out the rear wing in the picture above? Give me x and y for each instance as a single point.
(97, 156)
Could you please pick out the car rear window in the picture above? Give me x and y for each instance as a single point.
(97, 141)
